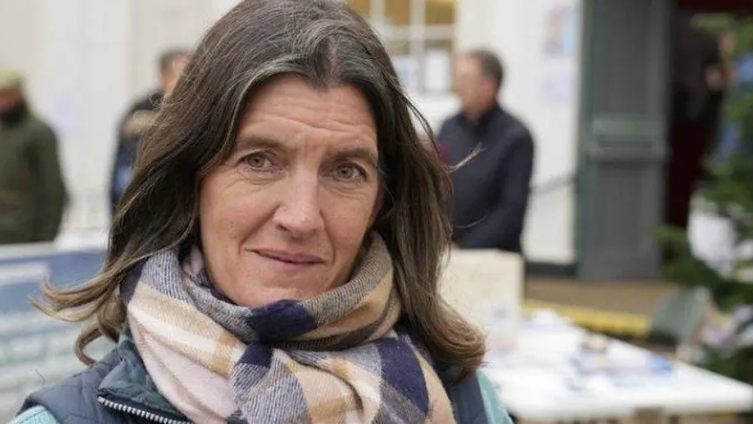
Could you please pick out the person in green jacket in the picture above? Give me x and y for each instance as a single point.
(32, 192)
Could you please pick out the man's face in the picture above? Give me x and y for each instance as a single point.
(9, 99)
(475, 90)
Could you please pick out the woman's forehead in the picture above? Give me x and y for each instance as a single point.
(289, 107)
(291, 90)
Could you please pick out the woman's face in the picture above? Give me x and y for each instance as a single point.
(285, 216)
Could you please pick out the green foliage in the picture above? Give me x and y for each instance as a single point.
(743, 28)
(731, 363)
(714, 23)
(730, 195)
(686, 270)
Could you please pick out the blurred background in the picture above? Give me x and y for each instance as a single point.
(86, 62)
(635, 108)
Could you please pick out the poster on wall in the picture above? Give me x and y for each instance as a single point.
(559, 52)
(561, 30)
(437, 71)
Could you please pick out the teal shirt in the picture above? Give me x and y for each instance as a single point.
(36, 415)
(492, 405)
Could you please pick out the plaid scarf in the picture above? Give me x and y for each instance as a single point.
(334, 358)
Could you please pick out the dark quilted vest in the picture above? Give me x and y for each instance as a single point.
(74, 400)
(121, 380)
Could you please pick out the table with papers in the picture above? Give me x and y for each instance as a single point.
(547, 377)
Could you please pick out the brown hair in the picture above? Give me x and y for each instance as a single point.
(327, 44)
(168, 57)
(490, 64)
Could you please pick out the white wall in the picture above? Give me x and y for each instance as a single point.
(162, 25)
(221, 7)
(543, 92)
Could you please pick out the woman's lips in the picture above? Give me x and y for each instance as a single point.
(289, 261)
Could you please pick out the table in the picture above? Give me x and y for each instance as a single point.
(539, 380)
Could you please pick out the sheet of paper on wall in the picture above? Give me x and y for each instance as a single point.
(559, 86)
(437, 71)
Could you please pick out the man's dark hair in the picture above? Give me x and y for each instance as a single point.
(167, 57)
(491, 65)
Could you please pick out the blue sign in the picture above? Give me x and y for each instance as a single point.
(21, 275)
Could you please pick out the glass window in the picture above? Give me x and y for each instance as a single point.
(398, 47)
(397, 13)
(445, 45)
(437, 66)
(418, 35)
(440, 12)
(363, 7)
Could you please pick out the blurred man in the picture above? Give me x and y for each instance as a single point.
(491, 190)
(138, 118)
(32, 192)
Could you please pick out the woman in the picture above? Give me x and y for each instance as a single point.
(276, 256)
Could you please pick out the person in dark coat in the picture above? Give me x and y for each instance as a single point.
(136, 121)
(491, 189)
(697, 93)
(32, 191)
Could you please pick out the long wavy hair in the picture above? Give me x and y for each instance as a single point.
(328, 45)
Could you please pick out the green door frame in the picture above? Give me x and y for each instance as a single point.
(622, 137)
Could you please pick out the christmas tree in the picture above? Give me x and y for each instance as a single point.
(726, 346)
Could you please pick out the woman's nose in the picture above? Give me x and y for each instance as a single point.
(299, 211)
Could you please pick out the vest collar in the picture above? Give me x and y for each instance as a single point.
(127, 388)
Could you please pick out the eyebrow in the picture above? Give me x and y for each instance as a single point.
(253, 141)
(357, 152)
(361, 153)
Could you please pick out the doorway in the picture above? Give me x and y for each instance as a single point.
(633, 159)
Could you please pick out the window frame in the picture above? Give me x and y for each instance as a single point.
(416, 35)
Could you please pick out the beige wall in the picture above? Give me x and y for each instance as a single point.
(19, 33)
(164, 24)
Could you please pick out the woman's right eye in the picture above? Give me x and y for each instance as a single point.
(258, 161)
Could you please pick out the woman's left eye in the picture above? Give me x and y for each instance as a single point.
(348, 172)
(258, 161)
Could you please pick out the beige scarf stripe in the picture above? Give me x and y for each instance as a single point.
(358, 381)
(394, 308)
(186, 392)
(367, 312)
(193, 334)
(325, 403)
(440, 407)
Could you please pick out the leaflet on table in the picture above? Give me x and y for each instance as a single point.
(588, 363)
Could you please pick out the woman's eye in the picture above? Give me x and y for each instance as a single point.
(258, 161)
(347, 172)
